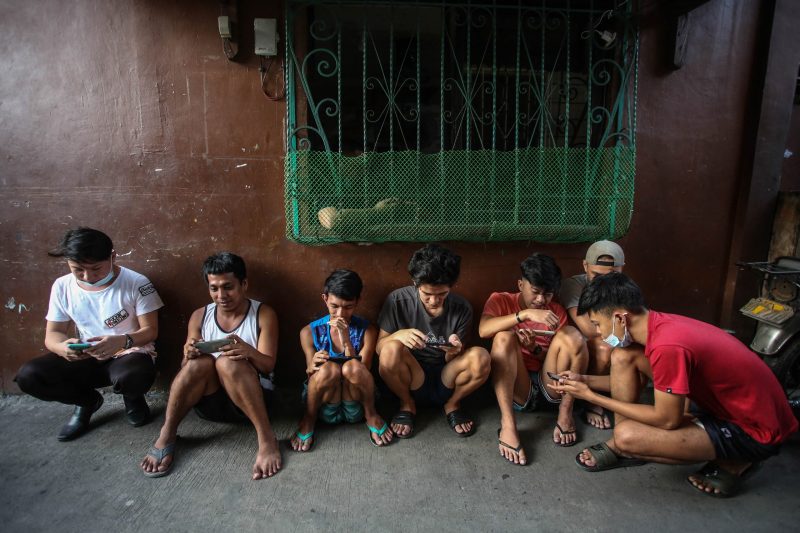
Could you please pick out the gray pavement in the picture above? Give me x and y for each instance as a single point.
(433, 482)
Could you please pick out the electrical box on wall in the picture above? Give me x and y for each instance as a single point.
(266, 37)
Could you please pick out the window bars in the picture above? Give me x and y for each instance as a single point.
(493, 121)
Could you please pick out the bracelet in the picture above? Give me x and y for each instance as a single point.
(519, 321)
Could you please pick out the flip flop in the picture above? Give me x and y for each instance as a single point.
(606, 459)
(510, 447)
(727, 483)
(404, 418)
(303, 438)
(601, 413)
(159, 454)
(457, 417)
(568, 444)
(379, 433)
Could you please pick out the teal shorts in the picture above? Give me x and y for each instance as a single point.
(336, 413)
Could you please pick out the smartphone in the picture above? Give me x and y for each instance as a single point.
(439, 344)
(544, 332)
(342, 358)
(212, 346)
(554, 377)
(79, 346)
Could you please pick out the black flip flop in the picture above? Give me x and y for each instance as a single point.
(510, 447)
(403, 418)
(457, 417)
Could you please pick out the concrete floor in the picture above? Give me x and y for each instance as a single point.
(433, 482)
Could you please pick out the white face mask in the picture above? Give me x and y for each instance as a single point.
(614, 341)
(101, 282)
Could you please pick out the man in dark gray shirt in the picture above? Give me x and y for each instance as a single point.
(422, 343)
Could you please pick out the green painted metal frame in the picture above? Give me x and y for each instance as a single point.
(593, 196)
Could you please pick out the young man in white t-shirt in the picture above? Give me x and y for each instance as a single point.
(114, 312)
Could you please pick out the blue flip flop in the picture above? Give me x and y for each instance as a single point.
(159, 454)
(303, 438)
(378, 432)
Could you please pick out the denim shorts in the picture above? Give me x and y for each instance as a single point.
(535, 393)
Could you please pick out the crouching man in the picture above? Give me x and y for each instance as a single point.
(739, 415)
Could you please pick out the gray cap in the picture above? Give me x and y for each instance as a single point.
(609, 248)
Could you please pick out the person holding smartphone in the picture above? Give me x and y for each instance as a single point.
(530, 337)
(338, 349)
(228, 383)
(423, 350)
(714, 399)
(114, 311)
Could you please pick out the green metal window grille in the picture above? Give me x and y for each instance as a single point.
(494, 121)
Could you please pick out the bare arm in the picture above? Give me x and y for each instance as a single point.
(314, 358)
(666, 413)
(490, 326)
(263, 356)
(369, 343)
(111, 344)
(193, 335)
(410, 338)
(56, 340)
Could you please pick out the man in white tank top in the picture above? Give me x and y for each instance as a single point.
(226, 383)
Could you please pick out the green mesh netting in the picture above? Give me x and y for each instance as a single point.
(541, 194)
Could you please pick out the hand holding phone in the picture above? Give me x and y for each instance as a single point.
(212, 346)
(555, 377)
(544, 332)
(79, 346)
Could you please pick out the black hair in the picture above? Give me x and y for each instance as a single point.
(541, 271)
(225, 262)
(84, 245)
(434, 265)
(344, 284)
(611, 291)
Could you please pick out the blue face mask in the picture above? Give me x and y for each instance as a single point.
(101, 282)
(614, 341)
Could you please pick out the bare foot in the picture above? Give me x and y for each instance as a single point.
(597, 416)
(151, 464)
(510, 446)
(380, 440)
(268, 460)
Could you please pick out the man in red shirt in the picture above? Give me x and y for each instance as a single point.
(530, 338)
(739, 414)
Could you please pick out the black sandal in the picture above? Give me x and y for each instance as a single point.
(403, 418)
(457, 417)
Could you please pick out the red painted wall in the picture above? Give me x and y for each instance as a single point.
(127, 117)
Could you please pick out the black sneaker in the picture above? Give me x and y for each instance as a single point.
(136, 410)
(79, 421)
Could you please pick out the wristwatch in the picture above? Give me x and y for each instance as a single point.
(128, 341)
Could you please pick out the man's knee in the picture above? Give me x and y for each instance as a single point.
(198, 369)
(391, 357)
(328, 375)
(234, 369)
(570, 339)
(355, 372)
(134, 374)
(30, 377)
(480, 362)
(504, 345)
(624, 356)
(626, 438)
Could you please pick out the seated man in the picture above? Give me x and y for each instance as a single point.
(422, 350)
(531, 338)
(338, 349)
(739, 414)
(229, 383)
(115, 313)
(602, 257)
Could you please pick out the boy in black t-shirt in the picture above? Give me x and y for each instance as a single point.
(421, 344)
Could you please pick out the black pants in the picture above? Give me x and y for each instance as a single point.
(54, 379)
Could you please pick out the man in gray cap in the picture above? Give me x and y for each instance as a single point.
(602, 257)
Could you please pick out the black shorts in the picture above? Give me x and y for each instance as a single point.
(732, 442)
(432, 391)
(218, 407)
